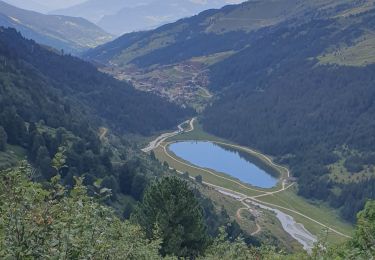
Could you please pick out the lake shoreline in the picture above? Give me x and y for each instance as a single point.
(230, 162)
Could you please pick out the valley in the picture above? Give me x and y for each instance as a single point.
(317, 219)
(274, 158)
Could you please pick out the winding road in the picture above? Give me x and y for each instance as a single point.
(160, 139)
(296, 230)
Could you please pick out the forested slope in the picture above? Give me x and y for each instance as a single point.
(50, 102)
(276, 96)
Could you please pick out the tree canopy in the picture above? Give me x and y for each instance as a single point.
(170, 208)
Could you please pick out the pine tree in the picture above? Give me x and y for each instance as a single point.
(171, 207)
(3, 139)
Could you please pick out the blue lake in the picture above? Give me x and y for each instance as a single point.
(238, 165)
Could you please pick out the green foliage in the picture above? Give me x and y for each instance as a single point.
(364, 238)
(169, 208)
(223, 248)
(361, 246)
(58, 224)
(3, 139)
(54, 223)
(199, 179)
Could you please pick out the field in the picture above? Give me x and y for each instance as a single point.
(362, 53)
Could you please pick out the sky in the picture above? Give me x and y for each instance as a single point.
(51, 5)
(44, 5)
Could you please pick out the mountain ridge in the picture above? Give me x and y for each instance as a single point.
(61, 32)
(119, 17)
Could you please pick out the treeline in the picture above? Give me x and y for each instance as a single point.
(276, 98)
(83, 88)
(39, 222)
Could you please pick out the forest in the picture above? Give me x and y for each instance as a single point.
(275, 97)
(51, 102)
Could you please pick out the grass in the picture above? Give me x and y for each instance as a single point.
(288, 199)
(213, 58)
(362, 53)
(339, 173)
(197, 134)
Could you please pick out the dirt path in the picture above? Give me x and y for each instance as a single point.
(103, 132)
(259, 229)
(239, 217)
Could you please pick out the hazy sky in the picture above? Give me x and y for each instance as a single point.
(50, 5)
(44, 5)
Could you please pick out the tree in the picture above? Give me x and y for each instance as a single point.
(364, 238)
(199, 179)
(3, 139)
(58, 224)
(170, 208)
(43, 162)
(138, 186)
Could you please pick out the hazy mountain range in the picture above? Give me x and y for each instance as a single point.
(72, 34)
(118, 16)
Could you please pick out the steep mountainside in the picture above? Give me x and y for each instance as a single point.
(295, 82)
(115, 102)
(230, 26)
(57, 110)
(61, 32)
(51, 103)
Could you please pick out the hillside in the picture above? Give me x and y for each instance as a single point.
(61, 32)
(231, 26)
(49, 101)
(169, 60)
(295, 83)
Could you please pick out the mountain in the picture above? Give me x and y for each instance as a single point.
(119, 17)
(52, 103)
(153, 14)
(293, 79)
(115, 103)
(231, 26)
(176, 55)
(61, 32)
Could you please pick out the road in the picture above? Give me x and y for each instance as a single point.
(160, 139)
(295, 229)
